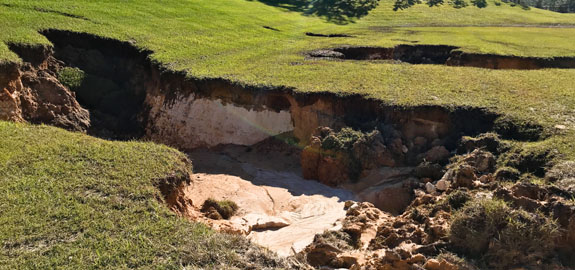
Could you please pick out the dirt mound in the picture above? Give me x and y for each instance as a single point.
(31, 92)
(466, 220)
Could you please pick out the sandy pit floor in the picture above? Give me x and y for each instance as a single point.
(283, 210)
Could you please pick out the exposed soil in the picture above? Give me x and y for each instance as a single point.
(443, 55)
(32, 92)
(310, 34)
(291, 161)
(278, 208)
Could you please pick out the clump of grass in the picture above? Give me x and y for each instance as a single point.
(458, 261)
(507, 174)
(342, 140)
(501, 236)
(71, 77)
(511, 128)
(458, 199)
(344, 145)
(338, 239)
(225, 208)
(534, 158)
(458, 3)
(564, 170)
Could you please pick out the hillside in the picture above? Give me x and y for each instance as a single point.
(235, 45)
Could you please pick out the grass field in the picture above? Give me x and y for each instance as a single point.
(70, 201)
(226, 39)
(75, 201)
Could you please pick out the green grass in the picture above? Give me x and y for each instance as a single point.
(225, 208)
(226, 39)
(70, 201)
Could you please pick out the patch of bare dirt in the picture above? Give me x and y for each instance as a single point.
(278, 209)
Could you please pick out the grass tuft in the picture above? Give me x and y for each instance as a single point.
(500, 236)
(224, 208)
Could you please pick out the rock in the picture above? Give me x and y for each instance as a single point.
(442, 185)
(437, 154)
(464, 176)
(560, 127)
(321, 254)
(350, 259)
(362, 223)
(391, 256)
(235, 225)
(485, 179)
(392, 198)
(434, 264)
(264, 222)
(483, 161)
(420, 200)
(299, 246)
(430, 188)
(403, 253)
(348, 204)
(432, 249)
(437, 226)
(417, 259)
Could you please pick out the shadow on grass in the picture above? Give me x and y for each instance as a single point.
(335, 11)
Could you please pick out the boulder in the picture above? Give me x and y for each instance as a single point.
(321, 254)
(442, 185)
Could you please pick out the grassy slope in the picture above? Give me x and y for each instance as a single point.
(70, 201)
(225, 38)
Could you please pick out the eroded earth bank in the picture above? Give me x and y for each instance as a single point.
(338, 182)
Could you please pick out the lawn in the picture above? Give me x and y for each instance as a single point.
(71, 201)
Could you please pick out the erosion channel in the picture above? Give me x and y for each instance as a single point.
(291, 161)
